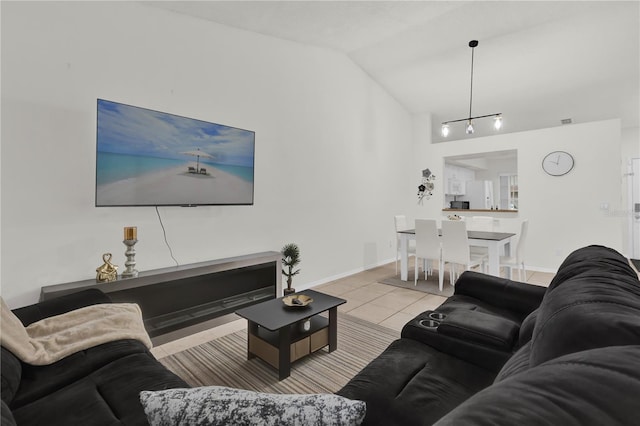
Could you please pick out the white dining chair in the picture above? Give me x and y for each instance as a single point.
(456, 250)
(401, 224)
(480, 223)
(517, 261)
(428, 249)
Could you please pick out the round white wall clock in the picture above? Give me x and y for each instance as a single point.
(557, 163)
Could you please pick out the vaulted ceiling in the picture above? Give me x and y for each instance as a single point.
(537, 62)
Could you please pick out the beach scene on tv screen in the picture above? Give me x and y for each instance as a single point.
(146, 157)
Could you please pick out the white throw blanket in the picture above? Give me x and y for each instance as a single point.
(51, 339)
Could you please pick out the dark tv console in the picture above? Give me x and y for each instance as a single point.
(182, 300)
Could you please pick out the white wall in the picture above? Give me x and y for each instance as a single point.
(630, 150)
(331, 146)
(630, 139)
(564, 212)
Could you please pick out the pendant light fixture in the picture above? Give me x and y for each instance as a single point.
(497, 117)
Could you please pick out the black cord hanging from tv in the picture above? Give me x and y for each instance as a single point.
(165, 237)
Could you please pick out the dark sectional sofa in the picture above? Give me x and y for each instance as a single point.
(500, 352)
(98, 386)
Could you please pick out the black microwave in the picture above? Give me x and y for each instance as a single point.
(464, 205)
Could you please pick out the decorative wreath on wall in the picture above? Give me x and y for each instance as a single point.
(426, 187)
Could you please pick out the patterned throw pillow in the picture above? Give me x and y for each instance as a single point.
(216, 405)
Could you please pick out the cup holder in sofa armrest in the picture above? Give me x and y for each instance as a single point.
(485, 329)
(433, 321)
(437, 316)
(429, 324)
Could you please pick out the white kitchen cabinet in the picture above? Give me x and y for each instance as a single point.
(455, 179)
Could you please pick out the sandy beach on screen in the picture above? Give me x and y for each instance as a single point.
(177, 186)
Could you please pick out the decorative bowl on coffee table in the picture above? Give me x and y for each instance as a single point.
(297, 300)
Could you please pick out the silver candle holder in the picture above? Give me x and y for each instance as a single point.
(130, 264)
(130, 240)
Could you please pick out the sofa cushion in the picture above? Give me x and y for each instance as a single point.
(595, 387)
(7, 417)
(107, 396)
(518, 363)
(598, 306)
(412, 384)
(11, 370)
(527, 327)
(216, 405)
(593, 259)
(39, 381)
(501, 295)
(69, 302)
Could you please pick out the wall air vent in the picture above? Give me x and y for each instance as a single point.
(566, 121)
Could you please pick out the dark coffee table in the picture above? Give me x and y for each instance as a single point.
(276, 335)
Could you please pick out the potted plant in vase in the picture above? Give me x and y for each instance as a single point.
(290, 259)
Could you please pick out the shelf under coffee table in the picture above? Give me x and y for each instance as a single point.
(274, 334)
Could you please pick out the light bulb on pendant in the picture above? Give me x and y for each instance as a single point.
(469, 128)
(497, 122)
(445, 130)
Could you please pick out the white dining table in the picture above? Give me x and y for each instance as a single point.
(493, 241)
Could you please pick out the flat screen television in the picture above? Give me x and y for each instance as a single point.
(150, 158)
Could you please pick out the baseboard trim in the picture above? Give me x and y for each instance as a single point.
(343, 275)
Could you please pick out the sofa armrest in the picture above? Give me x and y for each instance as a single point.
(60, 305)
(501, 292)
(480, 328)
(481, 339)
(463, 342)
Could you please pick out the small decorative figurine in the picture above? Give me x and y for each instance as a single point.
(108, 271)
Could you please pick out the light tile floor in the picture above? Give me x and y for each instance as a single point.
(366, 299)
(391, 306)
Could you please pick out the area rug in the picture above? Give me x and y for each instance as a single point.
(223, 361)
(429, 286)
